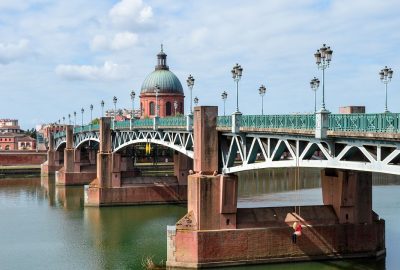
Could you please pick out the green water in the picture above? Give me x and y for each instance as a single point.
(46, 227)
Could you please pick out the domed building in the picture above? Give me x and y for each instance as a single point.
(170, 97)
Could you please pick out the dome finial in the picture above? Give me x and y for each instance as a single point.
(161, 59)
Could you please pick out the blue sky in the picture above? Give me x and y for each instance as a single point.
(59, 56)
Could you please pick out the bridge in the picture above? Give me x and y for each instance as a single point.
(364, 142)
(210, 149)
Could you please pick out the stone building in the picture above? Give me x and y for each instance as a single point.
(170, 98)
(13, 138)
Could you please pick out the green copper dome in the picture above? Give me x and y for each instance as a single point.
(166, 81)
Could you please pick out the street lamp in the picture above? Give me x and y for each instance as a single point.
(314, 84)
(91, 113)
(74, 118)
(323, 57)
(175, 106)
(115, 109)
(196, 101)
(102, 108)
(63, 120)
(156, 90)
(386, 75)
(224, 96)
(82, 111)
(237, 75)
(133, 94)
(190, 84)
(69, 119)
(262, 91)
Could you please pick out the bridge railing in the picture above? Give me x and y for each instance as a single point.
(179, 121)
(90, 127)
(360, 122)
(59, 134)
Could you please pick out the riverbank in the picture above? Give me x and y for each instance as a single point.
(19, 170)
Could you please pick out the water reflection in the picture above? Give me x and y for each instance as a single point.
(49, 228)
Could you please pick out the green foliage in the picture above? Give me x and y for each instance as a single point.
(95, 121)
(31, 133)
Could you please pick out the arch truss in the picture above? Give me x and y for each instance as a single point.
(240, 152)
(181, 141)
(79, 138)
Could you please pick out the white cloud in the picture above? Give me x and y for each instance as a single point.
(108, 71)
(129, 12)
(120, 41)
(10, 52)
(124, 40)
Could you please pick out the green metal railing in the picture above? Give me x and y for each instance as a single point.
(295, 121)
(360, 122)
(172, 121)
(380, 123)
(224, 121)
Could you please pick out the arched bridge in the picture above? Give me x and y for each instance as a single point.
(365, 142)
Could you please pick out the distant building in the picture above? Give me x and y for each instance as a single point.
(351, 109)
(12, 138)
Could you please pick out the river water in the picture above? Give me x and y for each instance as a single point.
(46, 227)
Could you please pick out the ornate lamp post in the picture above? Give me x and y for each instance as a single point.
(133, 94)
(314, 84)
(224, 96)
(156, 90)
(115, 109)
(63, 120)
(175, 106)
(323, 57)
(74, 118)
(102, 108)
(190, 84)
(82, 111)
(69, 119)
(91, 113)
(237, 75)
(262, 91)
(386, 75)
(196, 101)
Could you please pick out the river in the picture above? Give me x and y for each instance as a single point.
(46, 227)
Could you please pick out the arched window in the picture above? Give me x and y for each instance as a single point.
(181, 108)
(7, 147)
(152, 108)
(168, 110)
(141, 109)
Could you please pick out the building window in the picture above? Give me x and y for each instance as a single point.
(7, 147)
(152, 108)
(168, 110)
(181, 108)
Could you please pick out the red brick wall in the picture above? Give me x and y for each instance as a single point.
(145, 100)
(22, 158)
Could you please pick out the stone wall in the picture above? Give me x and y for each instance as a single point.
(22, 158)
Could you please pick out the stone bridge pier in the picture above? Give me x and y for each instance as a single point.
(109, 187)
(215, 232)
(54, 160)
(76, 169)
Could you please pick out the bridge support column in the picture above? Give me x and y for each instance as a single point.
(71, 174)
(53, 159)
(108, 189)
(350, 194)
(182, 166)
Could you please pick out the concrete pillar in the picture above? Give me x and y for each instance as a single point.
(212, 198)
(236, 119)
(70, 153)
(104, 157)
(53, 160)
(321, 124)
(205, 139)
(182, 165)
(350, 194)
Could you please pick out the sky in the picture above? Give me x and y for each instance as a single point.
(57, 57)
